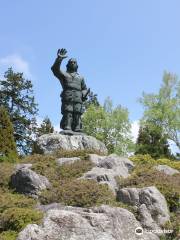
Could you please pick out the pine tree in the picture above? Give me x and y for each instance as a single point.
(7, 142)
(16, 95)
(45, 127)
(152, 141)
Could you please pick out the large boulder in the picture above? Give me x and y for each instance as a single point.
(107, 168)
(149, 201)
(48, 143)
(100, 223)
(166, 169)
(28, 182)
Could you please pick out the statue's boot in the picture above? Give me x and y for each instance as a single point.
(67, 121)
(77, 123)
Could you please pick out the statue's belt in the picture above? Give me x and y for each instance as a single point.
(72, 89)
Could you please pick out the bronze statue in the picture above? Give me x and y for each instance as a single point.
(74, 92)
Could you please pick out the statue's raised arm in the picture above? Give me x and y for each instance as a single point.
(61, 75)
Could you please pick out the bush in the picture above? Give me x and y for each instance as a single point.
(74, 170)
(10, 200)
(8, 235)
(143, 159)
(44, 165)
(16, 219)
(144, 176)
(47, 166)
(171, 163)
(74, 153)
(80, 193)
(6, 170)
(147, 159)
(174, 224)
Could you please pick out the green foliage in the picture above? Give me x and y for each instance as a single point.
(109, 125)
(83, 154)
(7, 143)
(16, 95)
(163, 108)
(6, 170)
(145, 176)
(45, 127)
(173, 224)
(75, 170)
(80, 193)
(46, 165)
(148, 160)
(151, 140)
(8, 235)
(174, 164)
(10, 200)
(143, 159)
(16, 219)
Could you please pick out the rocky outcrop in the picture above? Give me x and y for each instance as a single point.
(61, 161)
(48, 143)
(151, 205)
(98, 223)
(166, 169)
(107, 168)
(28, 182)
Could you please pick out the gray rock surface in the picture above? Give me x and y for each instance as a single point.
(108, 168)
(48, 143)
(153, 200)
(146, 219)
(26, 181)
(99, 223)
(71, 160)
(166, 169)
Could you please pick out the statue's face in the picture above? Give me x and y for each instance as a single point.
(72, 65)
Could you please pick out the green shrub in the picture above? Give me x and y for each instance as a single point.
(173, 224)
(143, 159)
(8, 235)
(6, 170)
(80, 193)
(43, 164)
(47, 166)
(171, 163)
(16, 219)
(74, 153)
(74, 170)
(10, 200)
(147, 159)
(144, 176)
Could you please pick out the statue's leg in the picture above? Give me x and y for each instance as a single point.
(67, 119)
(77, 125)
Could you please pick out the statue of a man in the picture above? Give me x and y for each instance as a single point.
(73, 94)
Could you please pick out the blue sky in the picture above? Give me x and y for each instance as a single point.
(122, 46)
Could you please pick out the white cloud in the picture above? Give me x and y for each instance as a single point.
(135, 130)
(17, 63)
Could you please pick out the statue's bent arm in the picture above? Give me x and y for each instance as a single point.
(61, 75)
(83, 85)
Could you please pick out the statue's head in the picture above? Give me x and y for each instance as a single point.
(72, 65)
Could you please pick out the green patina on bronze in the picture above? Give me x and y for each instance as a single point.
(74, 92)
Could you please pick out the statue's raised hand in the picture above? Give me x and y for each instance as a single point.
(61, 53)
